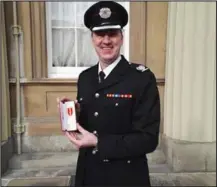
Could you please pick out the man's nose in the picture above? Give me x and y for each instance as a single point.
(106, 39)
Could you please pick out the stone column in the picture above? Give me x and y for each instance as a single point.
(190, 91)
(5, 121)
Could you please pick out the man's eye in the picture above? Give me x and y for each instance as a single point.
(108, 33)
(112, 33)
(101, 34)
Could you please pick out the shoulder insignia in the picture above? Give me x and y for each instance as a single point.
(141, 68)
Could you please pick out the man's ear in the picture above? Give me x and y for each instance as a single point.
(122, 36)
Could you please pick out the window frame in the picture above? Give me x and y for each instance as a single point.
(73, 72)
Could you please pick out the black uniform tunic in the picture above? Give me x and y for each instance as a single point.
(124, 110)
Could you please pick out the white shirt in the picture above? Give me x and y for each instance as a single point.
(110, 67)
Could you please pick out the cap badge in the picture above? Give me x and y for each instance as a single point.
(105, 13)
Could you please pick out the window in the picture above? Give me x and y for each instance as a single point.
(69, 46)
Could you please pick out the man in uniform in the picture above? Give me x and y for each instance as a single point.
(119, 108)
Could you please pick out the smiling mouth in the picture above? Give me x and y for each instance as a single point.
(106, 49)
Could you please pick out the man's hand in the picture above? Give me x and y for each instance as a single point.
(82, 139)
(64, 99)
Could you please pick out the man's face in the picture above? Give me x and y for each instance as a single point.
(107, 44)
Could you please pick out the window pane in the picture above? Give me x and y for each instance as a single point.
(68, 51)
(63, 43)
(86, 52)
(63, 14)
(81, 7)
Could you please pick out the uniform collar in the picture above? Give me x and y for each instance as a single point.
(109, 68)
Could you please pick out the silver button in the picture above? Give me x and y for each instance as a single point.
(96, 114)
(128, 161)
(105, 160)
(116, 104)
(96, 95)
(94, 152)
(94, 132)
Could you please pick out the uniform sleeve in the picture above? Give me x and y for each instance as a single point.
(145, 133)
(78, 88)
(78, 114)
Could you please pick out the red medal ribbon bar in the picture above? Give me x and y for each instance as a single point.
(119, 95)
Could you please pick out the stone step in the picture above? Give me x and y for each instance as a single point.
(67, 159)
(37, 181)
(64, 171)
(59, 143)
(157, 179)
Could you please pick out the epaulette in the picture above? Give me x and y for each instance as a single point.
(139, 67)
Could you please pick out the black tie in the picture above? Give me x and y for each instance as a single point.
(101, 76)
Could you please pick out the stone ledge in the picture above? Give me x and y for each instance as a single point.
(170, 179)
(65, 171)
(178, 179)
(50, 143)
(38, 181)
(189, 157)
